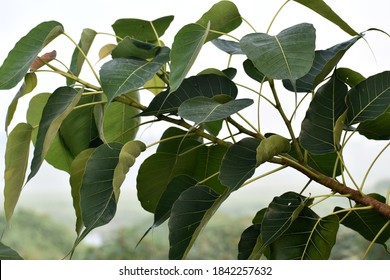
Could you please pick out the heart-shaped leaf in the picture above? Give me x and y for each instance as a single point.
(26, 50)
(288, 55)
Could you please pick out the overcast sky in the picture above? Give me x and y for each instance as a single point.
(17, 17)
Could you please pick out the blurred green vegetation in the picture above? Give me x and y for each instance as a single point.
(37, 236)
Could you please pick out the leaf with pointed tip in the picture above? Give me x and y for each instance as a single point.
(321, 8)
(369, 99)
(378, 129)
(122, 75)
(59, 105)
(317, 132)
(288, 55)
(270, 147)
(308, 238)
(78, 57)
(30, 82)
(130, 47)
(189, 215)
(230, 47)
(324, 62)
(129, 152)
(349, 76)
(223, 16)
(106, 50)
(209, 85)
(203, 109)
(239, 163)
(16, 160)
(19, 59)
(7, 253)
(142, 30)
(185, 48)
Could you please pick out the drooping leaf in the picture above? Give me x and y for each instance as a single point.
(369, 99)
(130, 47)
(203, 109)
(321, 8)
(367, 223)
(30, 82)
(239, 163)
(119, 123)
(7, 253)
(270, 147)
(58, 155)
(123, 75)
(19, 59)
(189, 215)
(223, 16)
(248, 241)
(16, 160)
(129, 152)
(78, 57)
(288, 55)
(308, 238)
(324, 62)
(185, 48)
(230, 47)
(378, 129)
(57, 108)
(209, 85)
(77, 172)
(317, 131)
(349, 76)
(252, 71)
(142, 30)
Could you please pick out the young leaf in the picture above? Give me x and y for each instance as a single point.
(26, 50)
(189, 215)
(317, 132)
(223, 16)
(57, 108)
(143, 30)
(369, 99)
(122, 75)
(185, 48)
(270, 147)
(203, 109)
(239, 163)
(42, 60)
(78, 58)
(7, 253)
(209, 85)
(106, 50)
(321, 8)
(16, 159)
(288, 55)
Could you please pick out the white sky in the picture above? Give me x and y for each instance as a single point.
(17, 17)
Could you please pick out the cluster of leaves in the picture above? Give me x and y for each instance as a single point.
(90, 131)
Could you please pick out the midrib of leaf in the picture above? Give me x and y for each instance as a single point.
(284, 56)
(310, 236)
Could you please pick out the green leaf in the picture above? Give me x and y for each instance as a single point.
(16, 160)
(203, 109)
(132, 48)
(119, 124)
(57, 108)
(279, 216)
(378, 129)
(369, 99)
(248, 241)
(189, 215)
(19, 59)
(7, 253)
(209, 85)
(77, 172)
(324, 62)
(349, 76)
(367, 223)
(123, 75)
(223, 16)
(288, 55)
(239, 163)
(58, 155)
(317, 131)
(270, 147)
(252, 72)
(321, 8)
(185, 48)
(230, 47)
(308, 238)
(30, 82)
(129, 152)
(143, 30)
